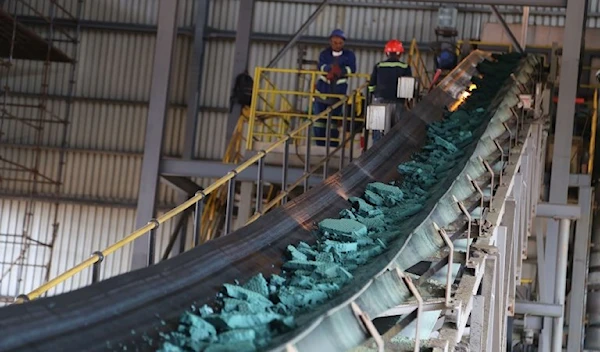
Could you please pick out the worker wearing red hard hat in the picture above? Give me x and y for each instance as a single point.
(384, 80)
(337, 63)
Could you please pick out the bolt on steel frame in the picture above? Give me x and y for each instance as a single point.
(37, 122)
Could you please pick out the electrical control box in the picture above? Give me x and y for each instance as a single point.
(379, 117)
(406, 87)
(525, 101)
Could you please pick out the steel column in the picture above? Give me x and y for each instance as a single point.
(194, 78)
(244, 204)
(577, 295)
(159, 99)
(561, 282)
(241, 56)
(561, 157)
(499, 330)
(569, 75)
(298, 33)
(525, 27)
(510, 34)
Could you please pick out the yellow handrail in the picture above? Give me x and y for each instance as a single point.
(592, 147)
(154, 223)
(416, 60)
(280, 119)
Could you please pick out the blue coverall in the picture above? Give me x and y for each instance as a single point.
(384, 86)
(347, 63)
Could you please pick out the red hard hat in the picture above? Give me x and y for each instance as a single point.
(394, 46)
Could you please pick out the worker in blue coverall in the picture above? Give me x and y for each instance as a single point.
(337, 63)
(383, 85)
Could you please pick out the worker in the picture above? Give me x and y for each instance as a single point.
(337, 63)
(383, 85)
(447, 58)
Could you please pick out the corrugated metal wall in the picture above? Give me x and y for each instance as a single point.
(109, 112)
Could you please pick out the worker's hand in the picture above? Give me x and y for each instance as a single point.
(335, 73)
(331, 76)
(336, 70)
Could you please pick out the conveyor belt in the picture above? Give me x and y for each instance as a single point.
(123, 308)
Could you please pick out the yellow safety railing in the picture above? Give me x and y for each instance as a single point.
(213, 215)
(272, 115)
(97, 257)
(415, 60)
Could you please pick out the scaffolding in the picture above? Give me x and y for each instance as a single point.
(36, 63)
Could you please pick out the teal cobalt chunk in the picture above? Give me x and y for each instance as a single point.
(344, 227)
(199, 328)
(258, 284)
(247, 295)
(244, 346)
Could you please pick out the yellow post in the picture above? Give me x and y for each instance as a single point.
(253, 107)
(592, 147)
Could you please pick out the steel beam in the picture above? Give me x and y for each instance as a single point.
(194, 78)
(539, 309)
(540, 3)
(298, 33)
(79, 200)
(558, 211)
(404, 5)
(260, 37)
(216, 169)
(506, 28)
(183, 184)
(159, 98)
(241, 56)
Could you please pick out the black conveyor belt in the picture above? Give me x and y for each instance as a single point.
(124, 307)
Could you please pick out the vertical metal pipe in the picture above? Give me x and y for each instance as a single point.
(198, 221)
(259, 184)
(229, 211)
(307, 156)
(97, 266)
(343, 142)
(561, 281)
(352, 114)
(327, 141)
(152, 247)
(524, 27)
(284, 170)
(366, 134)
